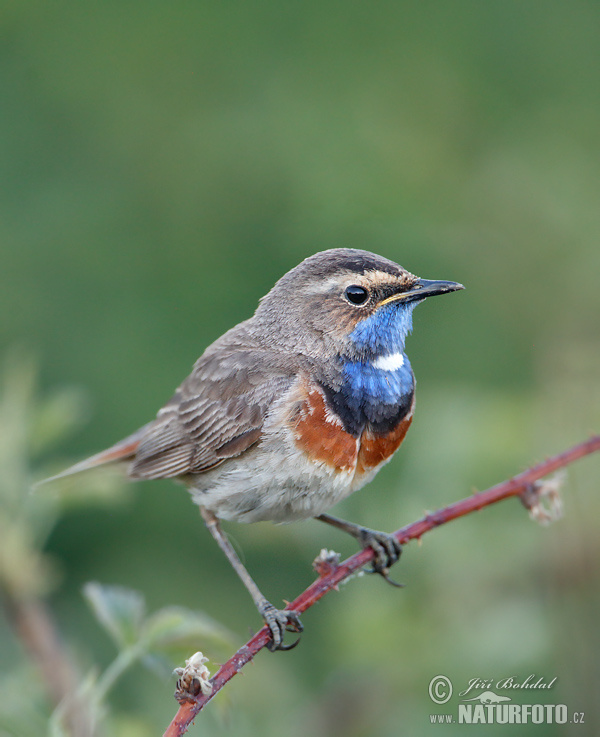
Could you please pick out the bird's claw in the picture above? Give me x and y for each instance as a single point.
(385, 573)
(280, 621)
(387, 552)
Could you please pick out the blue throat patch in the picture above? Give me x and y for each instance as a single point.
(372, 395)
(384, 332)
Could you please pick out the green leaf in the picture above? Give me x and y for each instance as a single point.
(121, 611)
(175, 627)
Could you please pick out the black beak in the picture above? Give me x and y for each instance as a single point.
(431, 287)
(424, 288)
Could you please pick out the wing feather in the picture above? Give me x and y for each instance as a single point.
(217, 413)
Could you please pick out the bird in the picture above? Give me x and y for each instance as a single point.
(293, 409)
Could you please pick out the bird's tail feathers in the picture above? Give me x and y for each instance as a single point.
(121, 451)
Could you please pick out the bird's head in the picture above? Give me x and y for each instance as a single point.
(346, 301)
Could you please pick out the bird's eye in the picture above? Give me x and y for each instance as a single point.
(356, 294)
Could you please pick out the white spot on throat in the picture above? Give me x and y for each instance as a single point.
(389, 363)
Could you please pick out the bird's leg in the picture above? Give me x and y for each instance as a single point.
(277, 620)
(385, 546)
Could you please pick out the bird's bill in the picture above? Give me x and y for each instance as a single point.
(423, 288)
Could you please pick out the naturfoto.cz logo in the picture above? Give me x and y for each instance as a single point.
(485, 706)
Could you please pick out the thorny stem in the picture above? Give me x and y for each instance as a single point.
(512, 487)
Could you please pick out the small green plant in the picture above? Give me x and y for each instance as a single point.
(42, 689)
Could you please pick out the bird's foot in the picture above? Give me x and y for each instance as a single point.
(279, 621)
(387, 552)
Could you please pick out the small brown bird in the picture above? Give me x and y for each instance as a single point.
(294, 409)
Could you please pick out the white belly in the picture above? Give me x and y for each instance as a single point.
(273, 483)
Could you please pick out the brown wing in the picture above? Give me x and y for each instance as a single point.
(217, 413)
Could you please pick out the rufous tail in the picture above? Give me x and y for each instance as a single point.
(121, 451)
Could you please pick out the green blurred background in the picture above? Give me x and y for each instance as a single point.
(163, 164)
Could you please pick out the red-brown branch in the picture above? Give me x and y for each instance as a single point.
(512, 487)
